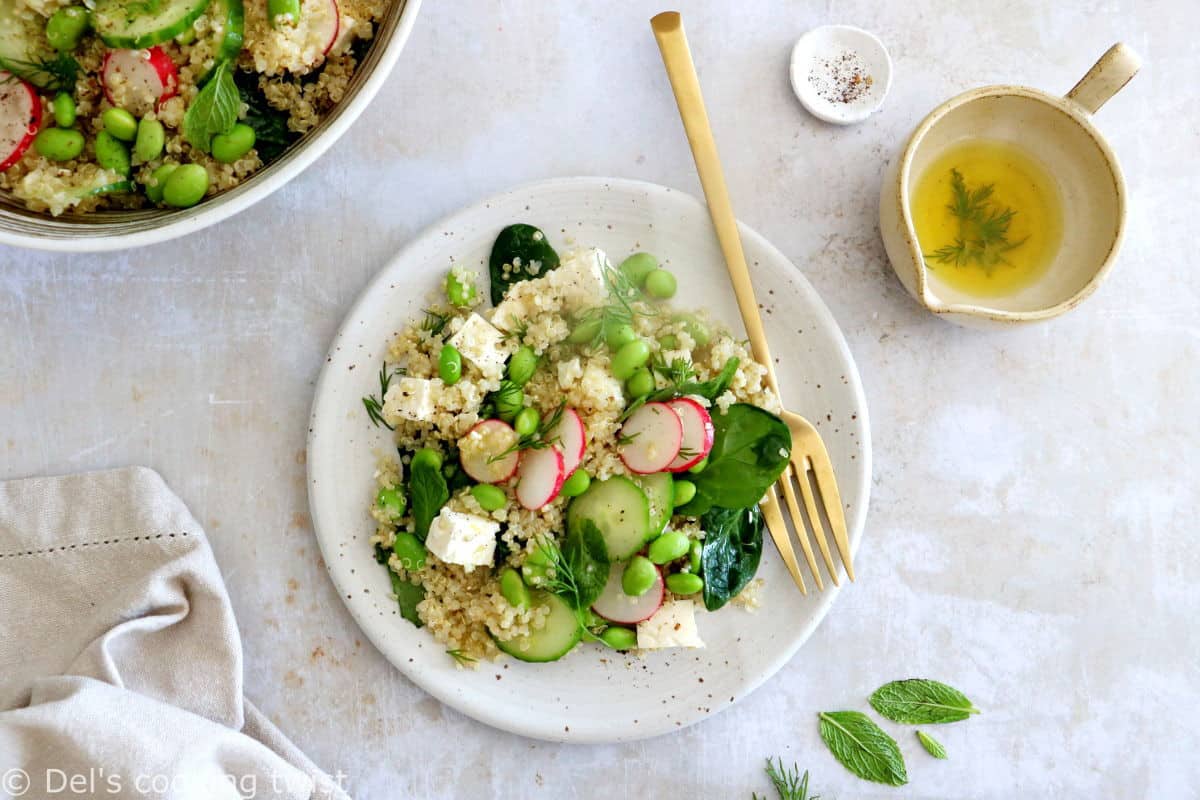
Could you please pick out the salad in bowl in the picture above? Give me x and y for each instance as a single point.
(579, 462)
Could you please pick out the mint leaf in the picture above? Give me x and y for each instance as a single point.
(586, 557)
(919, 701)
(931, 745)
(407, 595)
(215, 109)
(862, 747)
(429, 492)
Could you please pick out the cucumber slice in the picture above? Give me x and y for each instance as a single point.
(113, 187)
(14, 44)
(231, 16)
(660, 492)
(621, 512)
(554, 639)
(138, 24)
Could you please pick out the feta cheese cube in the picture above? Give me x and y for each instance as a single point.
(410, 398)
(569, 373)
(673, 625)
(464, 539)
(482, 345)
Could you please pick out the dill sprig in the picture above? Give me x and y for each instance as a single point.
(539, 439)
(434, 322)
(55, 74)
(461, 657)
(374, 404)
(982, 227)
(790, 784)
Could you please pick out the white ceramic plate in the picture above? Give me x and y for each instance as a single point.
(592, 695)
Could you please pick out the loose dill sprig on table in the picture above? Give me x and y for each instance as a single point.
(789, 783)
(982, 227)
(374, 404)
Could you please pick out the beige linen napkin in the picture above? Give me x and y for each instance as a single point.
(120, 659)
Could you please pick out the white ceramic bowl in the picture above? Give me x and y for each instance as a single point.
(828, 43)
(116, 230)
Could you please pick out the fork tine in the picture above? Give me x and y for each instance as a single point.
(785, 480)
(832, 500)
(815, 518)
(779, 533)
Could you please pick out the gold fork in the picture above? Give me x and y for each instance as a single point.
(809, 461)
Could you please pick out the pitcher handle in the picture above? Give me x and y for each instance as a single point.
(1106, 77)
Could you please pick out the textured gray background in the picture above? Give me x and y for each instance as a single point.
(1031, 536)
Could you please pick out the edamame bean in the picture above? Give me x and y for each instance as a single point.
(619, 638)
(509, 400)
(669, 342)
(111, 153)
(695, 328)
(513, 588)
(587, 330)
(490, 498)
(640, 383)
(695, 552)
(151, 136)
(158, 180)
(409, 550)
(684, 492)
(283, 12)
(629, 358)
(638, 577)
(685, 583)
(64, 110)
(66, 27)
(229, 147)
(576, 485)
(620, 335)
(392, 502)
(668, 547)
(700, 465)
(637, 267)
(120, 123)
(460, 291)
(58, 144)
(450, 365)
(526, 422)
(427, 456)
(522, 365)
(533, 571)
(660, 284)
(185, 186)
(593, 620)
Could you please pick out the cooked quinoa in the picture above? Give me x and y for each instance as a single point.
(463, 607)
(281, 76)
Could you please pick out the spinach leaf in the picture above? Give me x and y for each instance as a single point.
(382, 554)
(428, 492)
(920, 701)
(271, 133)
(862, 747)
(586, 559)
(733, 543)
(521, 252)
(750, 449)
(214, 110)
(407, 595)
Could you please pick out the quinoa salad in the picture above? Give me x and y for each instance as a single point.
(578, 462)
(125, 104)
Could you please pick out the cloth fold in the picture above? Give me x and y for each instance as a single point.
(120, 658)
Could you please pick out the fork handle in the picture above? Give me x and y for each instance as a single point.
(677, 58)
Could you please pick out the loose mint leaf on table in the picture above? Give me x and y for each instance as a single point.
(521, 252)
(215, 109)
(407, 595)
(429, 493)
(919, 701)
(931, 745)
(750, 449)
(733, 545)
(862, 747)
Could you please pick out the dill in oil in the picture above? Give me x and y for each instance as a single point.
(988, 218)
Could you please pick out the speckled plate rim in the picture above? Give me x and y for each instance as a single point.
(413, 651)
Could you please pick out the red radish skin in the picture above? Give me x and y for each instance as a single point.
(540, 477)
(148, 73)
(331, 31)
(478, 449)
(697, 433)
(651, 436)
(571, 436)
(616, 606)
(20, 118)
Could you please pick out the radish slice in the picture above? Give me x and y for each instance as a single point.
(324, 30)
(20, 118)
(139, 81)
(571, 437)
(651, 437)
(697, 433)
(540, 477)
(616, 606)
(310, 37)
(480, 451)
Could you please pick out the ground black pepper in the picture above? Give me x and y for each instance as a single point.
(841, 79)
